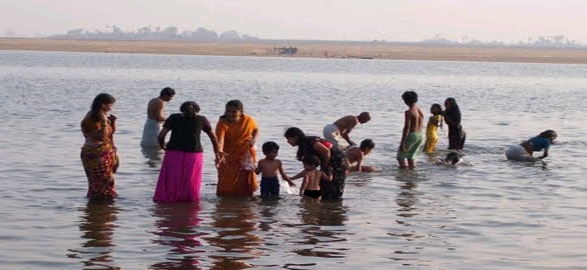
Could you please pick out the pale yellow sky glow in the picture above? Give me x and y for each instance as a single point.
(401, 20)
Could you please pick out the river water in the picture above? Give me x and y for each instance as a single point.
(490, 214)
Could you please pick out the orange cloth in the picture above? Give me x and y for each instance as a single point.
(233, 179)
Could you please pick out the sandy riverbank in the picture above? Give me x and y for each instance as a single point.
(305, 49)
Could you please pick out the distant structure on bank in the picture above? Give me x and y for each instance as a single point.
(286, 50)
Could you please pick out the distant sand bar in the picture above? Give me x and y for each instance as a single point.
(326, 49)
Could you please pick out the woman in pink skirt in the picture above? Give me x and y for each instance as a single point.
(180, 177)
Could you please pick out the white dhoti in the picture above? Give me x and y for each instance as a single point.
(150, 132)
(332, 135)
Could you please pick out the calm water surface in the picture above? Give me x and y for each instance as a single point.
(493, 214)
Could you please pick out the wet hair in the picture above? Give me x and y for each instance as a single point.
(453, 112)
(436, 106)
(410, 97)
(452, 102)
(295, 132)
(548, 134)
(452, 158)
(235, 103)
(367, 144)
(167, 91)
(186, 106)
(364, 117)
(269, 147)
(311, 160)
(100, 100)
(303, 142)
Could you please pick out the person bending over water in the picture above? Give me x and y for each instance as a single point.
(155, 117)
(356, 156)
(341, 128)
(524, 151)
(333, 162)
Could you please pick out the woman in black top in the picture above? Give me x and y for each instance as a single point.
(332, 160)
(180, 177)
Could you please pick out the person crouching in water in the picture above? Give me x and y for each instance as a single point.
(356, 156)
(524, 151)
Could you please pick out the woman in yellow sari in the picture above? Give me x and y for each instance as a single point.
(98, 152)
(237, 134)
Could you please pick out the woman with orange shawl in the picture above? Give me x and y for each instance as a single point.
(236, 134)
(98, 152)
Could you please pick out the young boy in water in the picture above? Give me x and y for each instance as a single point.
(357, 155)
(268, 168)
(434, 122)
(412, 133)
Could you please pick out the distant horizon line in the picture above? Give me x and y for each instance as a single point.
(424, 43)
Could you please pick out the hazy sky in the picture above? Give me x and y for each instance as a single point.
(391, 20)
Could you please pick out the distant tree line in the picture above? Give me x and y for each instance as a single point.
(553, 41)
(201, 34)
(147, 33)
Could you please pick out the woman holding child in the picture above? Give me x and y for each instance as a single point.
(237, 134)
(333, 160)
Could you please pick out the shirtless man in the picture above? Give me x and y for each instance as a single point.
(412, 136)
(155, 117)
(340, 129)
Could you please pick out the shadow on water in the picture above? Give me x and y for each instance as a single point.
(233, 223)
(97, 225)
(177, 228)
(153, 154)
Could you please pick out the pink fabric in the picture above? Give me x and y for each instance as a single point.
(180, 177)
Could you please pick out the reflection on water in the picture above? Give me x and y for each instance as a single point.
(323, 225)
(235, 222)
(153, 154)
(324, 213)
(97, 225)
(498, 214)
(406, 198)
(177, 228)
(407, 201)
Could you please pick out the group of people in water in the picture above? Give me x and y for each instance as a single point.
(326, 160)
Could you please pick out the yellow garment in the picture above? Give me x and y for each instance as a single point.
(233, 179)
(431, 133)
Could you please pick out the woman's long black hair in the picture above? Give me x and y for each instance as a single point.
(100, 100)
(301, 140)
